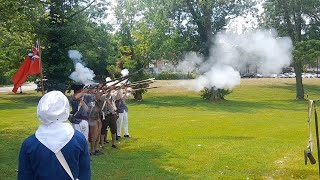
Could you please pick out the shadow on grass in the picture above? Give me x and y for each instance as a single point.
(18, 101)
(133, 164)
(227, 138)
(226, 105)
(9, 152)
(309, 89)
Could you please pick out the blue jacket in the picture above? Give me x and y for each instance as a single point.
(121, 106)
(37, 162)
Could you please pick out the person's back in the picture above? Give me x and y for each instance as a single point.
(37, 162)
(42, 154)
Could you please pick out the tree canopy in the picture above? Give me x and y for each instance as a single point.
(144, 31)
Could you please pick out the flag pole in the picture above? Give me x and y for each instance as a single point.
(41, 70)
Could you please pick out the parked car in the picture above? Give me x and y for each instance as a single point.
(308, 75)
(271, 75)
(292, 75)
(282, 76)
(248, 75)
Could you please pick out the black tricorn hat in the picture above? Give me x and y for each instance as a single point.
(77, 87)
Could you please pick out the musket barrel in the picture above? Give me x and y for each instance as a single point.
(146, 80)
(144, 88)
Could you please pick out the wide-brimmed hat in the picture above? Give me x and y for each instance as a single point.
(77, 87)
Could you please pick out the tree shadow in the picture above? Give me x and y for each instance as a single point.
(133, 164)
(224, 138)
(308, 89)
(225, 105)
(18, 101)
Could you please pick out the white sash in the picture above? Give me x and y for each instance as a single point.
(64, 164)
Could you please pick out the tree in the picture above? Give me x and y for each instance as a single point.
(132, 51)
(290, 18)
(307, 51)
(68, 26)
(61, 26)
(18, 19)
(210, 17)
(168, 28)
(99, 50)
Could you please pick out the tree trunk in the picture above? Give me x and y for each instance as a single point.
(216, 95)
(298, 64)
(299, 85)
(138, 95)
(295, 38)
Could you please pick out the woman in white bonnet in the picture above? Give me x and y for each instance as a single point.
(42, 154)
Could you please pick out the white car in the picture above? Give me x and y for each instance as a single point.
(271, 75)
(308, 75)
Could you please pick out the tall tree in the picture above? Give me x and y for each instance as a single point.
(210, 17)
(167, 28)
(290, 19)
(127, 13)
(68, 27)
(17, 24)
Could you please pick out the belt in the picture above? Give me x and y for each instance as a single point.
(82, 117)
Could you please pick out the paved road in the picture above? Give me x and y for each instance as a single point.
(25, 87)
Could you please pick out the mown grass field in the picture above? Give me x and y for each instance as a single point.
(259, 132)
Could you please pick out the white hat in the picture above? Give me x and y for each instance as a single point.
(108, 79)
(53, 110)
(52, 107)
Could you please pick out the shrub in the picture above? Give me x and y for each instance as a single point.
(214, 94)
(169, 75)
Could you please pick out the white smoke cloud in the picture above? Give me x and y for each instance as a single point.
(81, 74)
(231, 53)
(190, 62)
(75, 56)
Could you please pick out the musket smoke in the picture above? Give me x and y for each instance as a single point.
(231, 53)
(81, 74)
(75, 56)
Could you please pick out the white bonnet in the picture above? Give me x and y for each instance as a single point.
(53, 107)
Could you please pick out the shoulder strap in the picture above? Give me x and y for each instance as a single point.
(64, 163)
(103, 114)
(79, 106)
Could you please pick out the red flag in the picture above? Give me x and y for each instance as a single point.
(22, 74)
(30, 66)
(35, 64)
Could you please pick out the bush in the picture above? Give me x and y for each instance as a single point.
(169, 75)
(5, 80)
(214, 94)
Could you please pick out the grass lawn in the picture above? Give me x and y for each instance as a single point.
(259, 132)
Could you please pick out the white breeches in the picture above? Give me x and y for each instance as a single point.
(123, 118)
(83, 127)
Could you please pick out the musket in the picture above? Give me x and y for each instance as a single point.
(144, 88)
(120, 87)
(146, 80)
(124, 77)
(136, 84)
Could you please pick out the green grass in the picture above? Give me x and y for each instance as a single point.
(259, 132)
